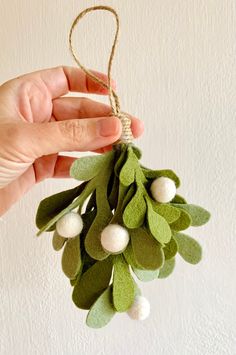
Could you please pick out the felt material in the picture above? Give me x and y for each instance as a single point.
(128, 196)
(188, 248)
(86, 191)
(102, 311)
(129, 257)
(117, 218)
(73, 281)
(182, 223)
(167, 268)
(127, 173)
(113, 194)
(198, 214)
(92, 284)
(91, 202)
(146, 275)
(123, 285)
(71, 258)
(93, 238)
(170, 213)
(178, 199)
(137, 152)
(121, 157)
(114, 238)
(153, 174)
(137, 291)
(163, 189)
(70, 225)
(147, 251)
(86, 168)
(58, 241)
(158, 226)
(170, 249)
(135, 211)
(53, 205)
(140, 308)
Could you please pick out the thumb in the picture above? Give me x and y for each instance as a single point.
(70, 135)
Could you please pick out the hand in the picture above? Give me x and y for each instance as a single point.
(37, 122)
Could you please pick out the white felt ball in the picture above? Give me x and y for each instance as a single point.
(163, 189)
(114, 238)
(70, 225)
(140, 309)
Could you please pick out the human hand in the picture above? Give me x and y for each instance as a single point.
(37, 123)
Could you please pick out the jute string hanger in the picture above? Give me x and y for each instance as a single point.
(126, 136)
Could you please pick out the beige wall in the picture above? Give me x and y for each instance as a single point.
(176, 70)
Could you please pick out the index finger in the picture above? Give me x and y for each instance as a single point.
(60, 80)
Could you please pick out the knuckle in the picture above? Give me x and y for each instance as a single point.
(74, 131)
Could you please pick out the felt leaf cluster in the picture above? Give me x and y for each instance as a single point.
(116, 191)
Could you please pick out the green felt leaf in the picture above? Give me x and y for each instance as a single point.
(146, 275)
(135, 211)
(129, 195)
(92, 284)
(93, 238)
(182, 223)
(77, 277)
(113, 193)
(53, 205)
(147, 251)
(88, 218)
(167, 268)
(121, 156)
(170, 213)
(129, 257)
(137, 152)
(91, 202)
(170, 249)
(157, 225)
(127, 172)
(102, 311)
(87, 190)
(73, 281)
(198, 214)
(58, 241)
(86, 168)
(188, 248)
(178, 199)
(154, 174)
(123, 285)
(71, 258)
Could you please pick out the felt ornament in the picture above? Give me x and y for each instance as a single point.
(163, 189)
(122, 224)
(114, 238)
(70, 225)
(140, 309)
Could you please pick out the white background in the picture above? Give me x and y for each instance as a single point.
(175, 69)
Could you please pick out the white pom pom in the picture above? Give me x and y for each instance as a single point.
(163, 189)
(140, 309)
(114, 238)
(70, 225)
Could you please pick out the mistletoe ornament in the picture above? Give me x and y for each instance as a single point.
(122, 224)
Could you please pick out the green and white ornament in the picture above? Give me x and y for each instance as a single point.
(123, 224)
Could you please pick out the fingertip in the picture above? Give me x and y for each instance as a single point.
(110, 127)
(137, 127)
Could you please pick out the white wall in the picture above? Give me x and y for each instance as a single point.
(176, 70)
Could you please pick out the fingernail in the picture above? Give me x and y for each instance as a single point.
(109, 126)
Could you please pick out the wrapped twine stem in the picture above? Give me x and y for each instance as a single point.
(126, 135)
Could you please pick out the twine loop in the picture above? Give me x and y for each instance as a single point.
(126, 136)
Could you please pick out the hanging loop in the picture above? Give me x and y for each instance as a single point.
(126, 136)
